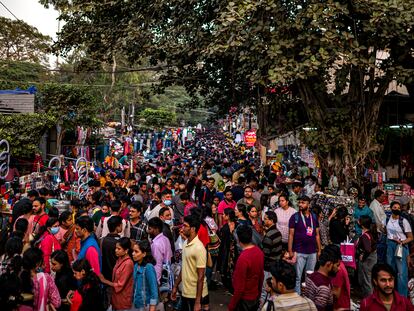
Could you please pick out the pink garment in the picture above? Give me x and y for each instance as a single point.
(45, 292)
(92, 257)
(224, 204)
(48, 245)
(188, 207)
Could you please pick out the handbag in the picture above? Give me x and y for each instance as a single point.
(348, 253)
(399, 251)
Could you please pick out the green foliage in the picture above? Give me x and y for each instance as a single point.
(20, 74)
(158, 118)
(22, 42)
(71, 106)
(24, 131)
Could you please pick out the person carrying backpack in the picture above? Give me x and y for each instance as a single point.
(399, 235)
(304, 243)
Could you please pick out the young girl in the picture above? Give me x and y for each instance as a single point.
(366, 250)
(47, 241)
(89, 295)
(145, 277)
(64, 279)
(40, 284)
(121, 298)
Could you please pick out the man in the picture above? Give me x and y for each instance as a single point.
(135, 194)
(39, 217)
(228, 202)
(238, 188)
(294, 194)
(248, 274)
(341, 286)
(165, 216)
(160, 245)
(124, 210)
(188, 205)
(108, 245)
(102, 230)
(248, 198)
(361, 210)
(379, 220)
(378, 209)
(138, 229)
(207, 193)
(166, 201)
(385, 297)
(304, 241)
(283, 283)
(271, 245)
(25, 201)
(89, 246)
(284, 213)
(318, 284)
(177, 203)
(194, 260)
(309, 189)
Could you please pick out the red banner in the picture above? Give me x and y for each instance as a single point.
(250, 138)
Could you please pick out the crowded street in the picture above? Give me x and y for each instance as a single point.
(206, 155)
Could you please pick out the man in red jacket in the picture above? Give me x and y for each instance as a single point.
(384, 296)
(249, 273)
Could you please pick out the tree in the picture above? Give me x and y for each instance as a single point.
(24, 131)
(21, 74)
(71, 106)
(158, 118)
(338, 57)
(22, 42)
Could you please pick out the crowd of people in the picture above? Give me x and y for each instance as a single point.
(203, 218)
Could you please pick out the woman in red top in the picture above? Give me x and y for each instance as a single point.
(89, 294)
(47, 241)
(122, 277)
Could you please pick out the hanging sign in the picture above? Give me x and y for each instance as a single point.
(250, 138)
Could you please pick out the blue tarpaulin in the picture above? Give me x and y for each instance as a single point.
(31, 90)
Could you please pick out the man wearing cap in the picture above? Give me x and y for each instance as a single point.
(304, 243)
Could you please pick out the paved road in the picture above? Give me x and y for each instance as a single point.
(219, 299)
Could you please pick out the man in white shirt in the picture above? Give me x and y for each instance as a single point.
(102, 230)
(166, 202)
(378, 209)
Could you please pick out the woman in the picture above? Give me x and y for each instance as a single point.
(366, 250)
(70, 243)
(254, 218)
(64, 279)
(242, 215)
(41, 284)
(88, 296)
(121, 298)
(228, 252)
(11, 260)
(339, 226)
(47, 241)
(398, 236)
(145, 278)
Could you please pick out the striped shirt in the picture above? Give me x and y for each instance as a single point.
(272, 246)
(319, 289)
(283, 217)
(291, 302)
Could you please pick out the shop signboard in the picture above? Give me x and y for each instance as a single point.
(250, 138)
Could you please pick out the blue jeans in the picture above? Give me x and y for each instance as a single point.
(303, 261)
(382, 248)
(400, 266)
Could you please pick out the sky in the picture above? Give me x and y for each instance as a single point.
(33, 13)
